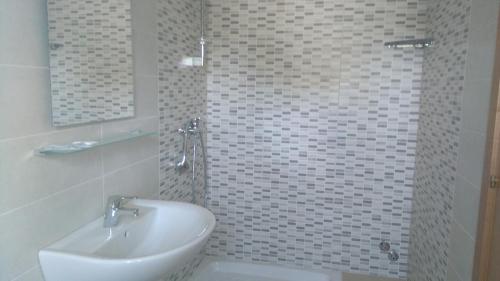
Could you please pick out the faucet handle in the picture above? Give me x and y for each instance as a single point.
(195, 122)
(115, 201)
(134, 211)
(123, 198)
(129, 197)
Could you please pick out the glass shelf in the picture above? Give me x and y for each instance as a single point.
(78, 146)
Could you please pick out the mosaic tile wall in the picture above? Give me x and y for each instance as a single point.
(182, 90)
(182, 96)
(438, 139)
(312, 131)
(91, 71)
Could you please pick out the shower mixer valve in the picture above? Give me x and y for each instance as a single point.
(385, 247)
(193, 132)
(191, 128)
(393, 256)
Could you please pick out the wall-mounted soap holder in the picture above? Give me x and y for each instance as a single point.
(79, 146)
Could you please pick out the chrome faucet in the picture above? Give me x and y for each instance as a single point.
(114, 208)
(190, 128)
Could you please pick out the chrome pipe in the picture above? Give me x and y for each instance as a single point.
(205, 170)
(193, 174)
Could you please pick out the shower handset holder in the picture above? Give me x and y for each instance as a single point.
(182, 165)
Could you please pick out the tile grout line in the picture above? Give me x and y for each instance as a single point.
(462, 228)
(49, 196)
(30, 270)
(33, 67)
(83, 127)
(129, 166)
(75, 186)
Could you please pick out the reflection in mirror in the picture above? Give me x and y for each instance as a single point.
(91, 64)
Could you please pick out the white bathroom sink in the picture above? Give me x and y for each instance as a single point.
(163, 237)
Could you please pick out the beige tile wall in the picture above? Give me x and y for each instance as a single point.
(476, 99)
(44, 199)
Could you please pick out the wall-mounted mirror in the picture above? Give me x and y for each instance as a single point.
(91, 62)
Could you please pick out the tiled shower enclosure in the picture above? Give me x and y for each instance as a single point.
(312, 131)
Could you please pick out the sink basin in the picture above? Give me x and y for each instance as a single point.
(163, 237)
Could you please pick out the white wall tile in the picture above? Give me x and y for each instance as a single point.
(34, 274)
(124, 153)
(461, 252)
(471, 156)
(481, 52)
(452, 275)
(483, 12)
(466, 205)
(144, 19)
(25, 177)
(25, 100)
(146, 95)
(141, 179)
(476, 100)
(23, 32)
(43, 199)
(26, 230)
(145, 53)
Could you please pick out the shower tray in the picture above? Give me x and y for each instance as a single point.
(220, 270)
